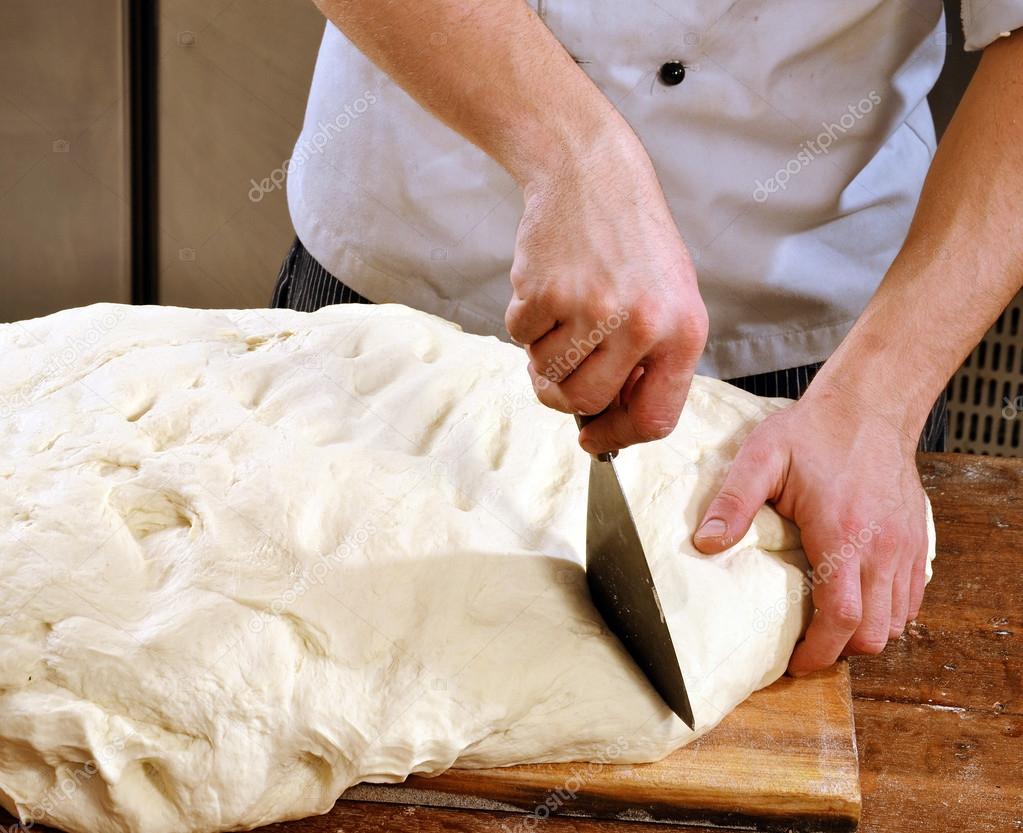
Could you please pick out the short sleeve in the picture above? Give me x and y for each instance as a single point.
(985, 20)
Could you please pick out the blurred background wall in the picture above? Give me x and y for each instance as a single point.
(231, 78)
(232, 81)
(64, 201)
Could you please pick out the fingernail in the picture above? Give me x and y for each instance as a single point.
(712, 528)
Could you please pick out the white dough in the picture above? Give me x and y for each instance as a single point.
(249, 558)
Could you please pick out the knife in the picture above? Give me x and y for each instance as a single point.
(622, 587)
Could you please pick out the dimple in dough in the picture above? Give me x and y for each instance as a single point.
(250, 558)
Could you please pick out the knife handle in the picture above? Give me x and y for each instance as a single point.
(582, 420)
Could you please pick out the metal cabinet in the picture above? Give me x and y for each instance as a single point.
(64, 195)
(233, 81)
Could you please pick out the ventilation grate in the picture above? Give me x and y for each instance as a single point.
(985, 407)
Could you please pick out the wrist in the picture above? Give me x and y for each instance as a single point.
(584, 146)
(899, 355)
(875, 386)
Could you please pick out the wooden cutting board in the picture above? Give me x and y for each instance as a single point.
(784, 759)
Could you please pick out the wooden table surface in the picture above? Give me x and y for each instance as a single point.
(939, 715)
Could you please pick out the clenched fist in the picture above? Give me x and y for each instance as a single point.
(605, 297)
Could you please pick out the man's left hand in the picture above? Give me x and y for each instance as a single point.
(848, 479)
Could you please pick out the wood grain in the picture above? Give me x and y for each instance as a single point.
(370, 817)
(966, 649)
(786, 758)
(926, 769)
(938, 714)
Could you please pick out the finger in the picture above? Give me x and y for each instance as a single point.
(754, 478)
(838, 602)
(651, 413)
(917, 582)
(877, 578)
(528, 320)
(547, 391)
(900, 599)
(550, 393)
(630, 383)
(596, 383)
(559, 352)
(872, 635)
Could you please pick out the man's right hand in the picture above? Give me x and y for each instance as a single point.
(597, 249)
(605, 296)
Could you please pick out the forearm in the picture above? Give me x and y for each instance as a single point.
(962, 261)
(492, 71)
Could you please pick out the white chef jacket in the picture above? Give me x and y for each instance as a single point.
(791, 155)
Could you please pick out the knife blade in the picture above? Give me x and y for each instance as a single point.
(622, 587)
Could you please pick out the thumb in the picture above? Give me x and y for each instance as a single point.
(754, 477)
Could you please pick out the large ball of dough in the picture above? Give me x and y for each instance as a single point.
(250, 558)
